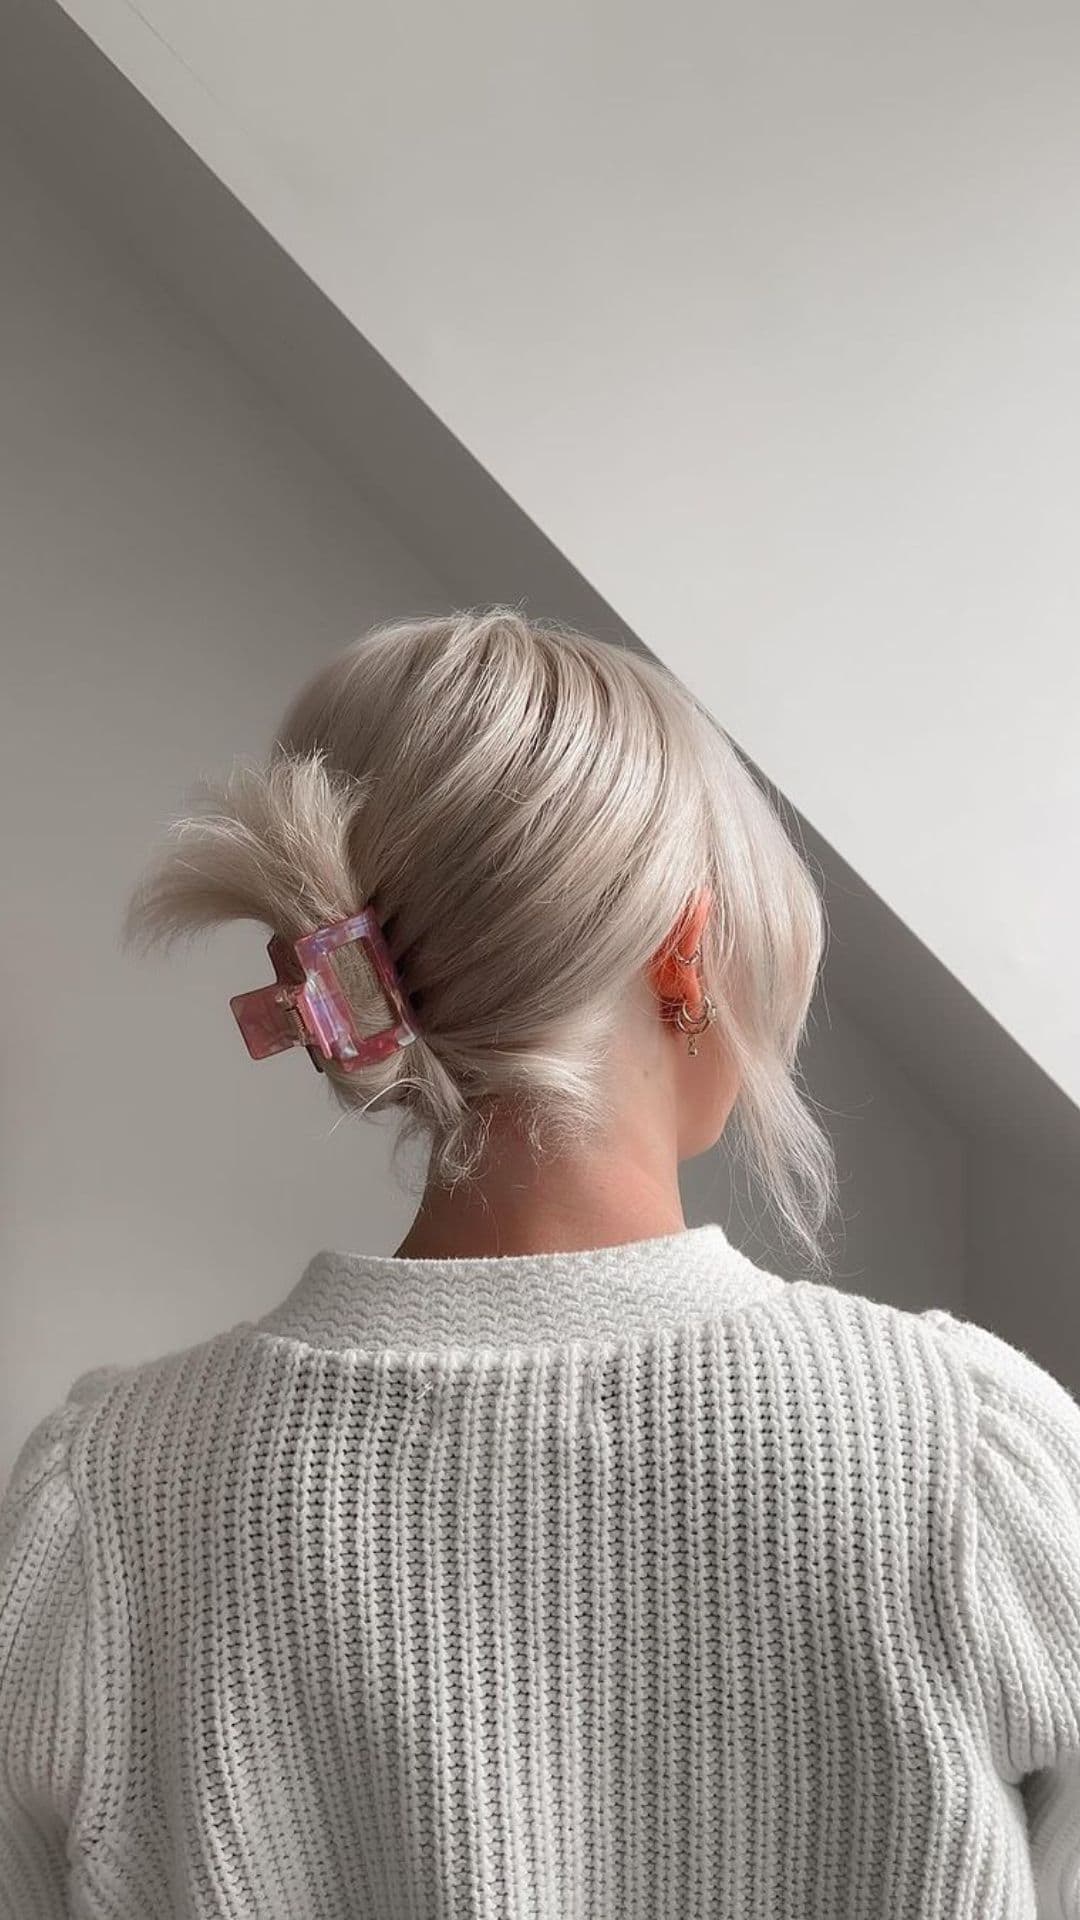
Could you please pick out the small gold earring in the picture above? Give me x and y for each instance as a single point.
(701, 1021)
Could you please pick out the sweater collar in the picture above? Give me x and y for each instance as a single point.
(366, 1300)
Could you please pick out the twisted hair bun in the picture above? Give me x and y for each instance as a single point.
(527, 810)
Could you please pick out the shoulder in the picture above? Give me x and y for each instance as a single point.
(1010, 1417)
(864, 1329)
(982, 1364)
(988, 1361)
(997, 1367)
(43, 1614)
(1024, 1504)
(1027, 1424)
(54, 1585)
(41, 1466)
(101, 1405)
(990, 1394)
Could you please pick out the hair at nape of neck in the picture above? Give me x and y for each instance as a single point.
(527, 810)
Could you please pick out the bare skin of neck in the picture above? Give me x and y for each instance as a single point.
(668, 1106)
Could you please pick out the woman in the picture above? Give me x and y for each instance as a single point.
(563, 1562)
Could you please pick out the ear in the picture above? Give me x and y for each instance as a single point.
(673, 979)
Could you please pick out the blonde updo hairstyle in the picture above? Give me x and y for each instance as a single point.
(529, 811)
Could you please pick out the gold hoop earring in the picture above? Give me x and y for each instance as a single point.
(695, 1024)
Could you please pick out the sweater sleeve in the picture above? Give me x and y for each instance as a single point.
(42, 1640)
(1025, 1504)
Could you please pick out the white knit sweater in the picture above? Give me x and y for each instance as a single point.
(637, 1582)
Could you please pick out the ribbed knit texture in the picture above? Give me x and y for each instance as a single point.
(629, 1583)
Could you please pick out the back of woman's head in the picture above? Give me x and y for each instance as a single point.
(528, 811)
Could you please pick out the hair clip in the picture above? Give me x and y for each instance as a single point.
(309, 1006)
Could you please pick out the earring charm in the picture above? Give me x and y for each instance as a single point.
(694, 1024)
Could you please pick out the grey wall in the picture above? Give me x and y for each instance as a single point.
(1024, 1256)
(900, 1234)
(174, 558)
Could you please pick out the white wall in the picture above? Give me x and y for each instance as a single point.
(766, 316)
(173, 560)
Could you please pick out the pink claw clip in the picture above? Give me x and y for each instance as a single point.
(308, 1006)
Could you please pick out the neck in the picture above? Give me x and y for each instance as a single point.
(520, 1204)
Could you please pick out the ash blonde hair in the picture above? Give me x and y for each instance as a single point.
(529, 811)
